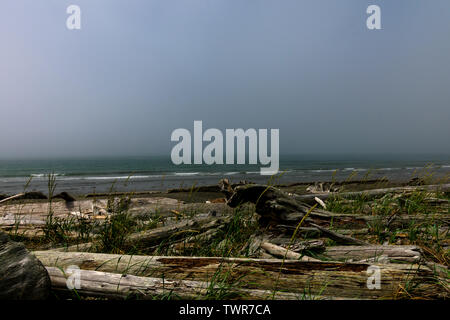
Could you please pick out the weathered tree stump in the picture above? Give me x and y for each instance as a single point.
(271, 204)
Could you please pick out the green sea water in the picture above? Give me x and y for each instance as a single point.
(158, 172)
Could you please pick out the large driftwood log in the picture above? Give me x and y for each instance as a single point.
(375, 253)
(118, 286)
(371, 194)
(331, 278)
(35, 213)
(357, 253)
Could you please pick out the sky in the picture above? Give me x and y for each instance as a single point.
(139, 69)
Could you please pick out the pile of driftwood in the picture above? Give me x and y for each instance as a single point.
(279, 266)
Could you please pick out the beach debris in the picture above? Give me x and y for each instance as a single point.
(319, 201)
(416, 181)
(25, 196)
(272, 205)
(287, 250)
(217, 200)
(117, 205)
(124, 286)
(104, 274)
(7, 198)
(80, 215)
(284, 253)
(375, 253)
(99, 208)
(22, 275)
(120, 194)
(321, 187)
(152, 239)
(372, 193)
(338, 237)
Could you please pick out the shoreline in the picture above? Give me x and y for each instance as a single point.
(82, 186)
(208, 192)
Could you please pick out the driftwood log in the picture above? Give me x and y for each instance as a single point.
(118, 286)
(336, 279)
(151, 239)
(352, 253)
(278, 208)
(371, 194)
(375, 253)
(284, 253)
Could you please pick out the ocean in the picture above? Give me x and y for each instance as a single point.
(81, 176)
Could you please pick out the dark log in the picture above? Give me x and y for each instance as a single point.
(273, 205)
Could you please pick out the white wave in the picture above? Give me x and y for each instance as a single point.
(42, 175)
(37, 175)
(186, 173)
(322, 170)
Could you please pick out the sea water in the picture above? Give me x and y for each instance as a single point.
(86, 175)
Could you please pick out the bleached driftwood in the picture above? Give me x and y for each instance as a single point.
(281, 252)
(118, 286)
(332, 278)
(371, 194)
(12, 197)
(375, 253)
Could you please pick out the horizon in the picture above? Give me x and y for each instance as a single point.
(349, 156)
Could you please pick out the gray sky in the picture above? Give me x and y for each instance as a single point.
(138, 69)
